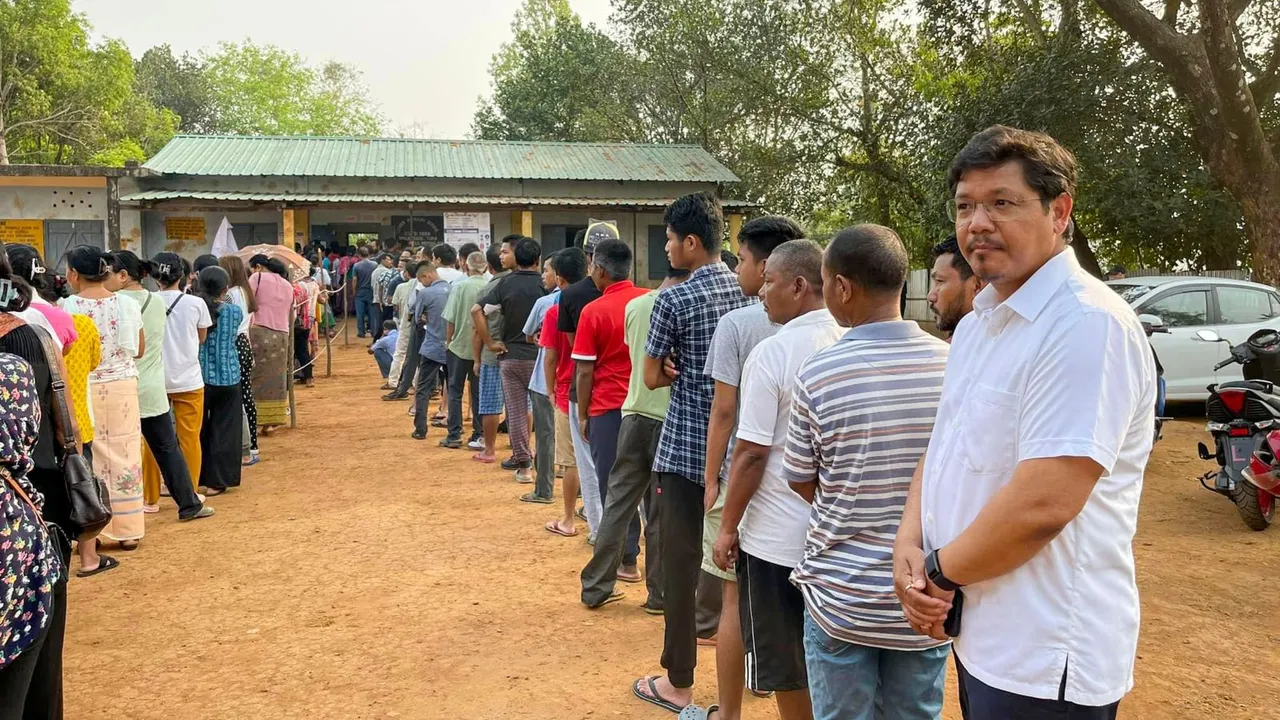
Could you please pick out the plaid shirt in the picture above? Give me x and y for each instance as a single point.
(684, 319)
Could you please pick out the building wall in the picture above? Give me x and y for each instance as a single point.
(155, 239)
(59, 202)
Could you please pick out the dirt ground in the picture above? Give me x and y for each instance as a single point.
(361, 574)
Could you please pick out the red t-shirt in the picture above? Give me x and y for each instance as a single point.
(602, 337)
(551, 337)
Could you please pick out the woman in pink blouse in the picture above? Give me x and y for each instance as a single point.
(27, 263)
(269, 336)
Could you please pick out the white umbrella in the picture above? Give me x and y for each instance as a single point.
(224, 243)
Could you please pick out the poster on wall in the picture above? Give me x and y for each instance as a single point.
(184, 228)
(463, 228)
(424, 230)
(23, 232)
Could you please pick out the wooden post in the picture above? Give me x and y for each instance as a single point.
(735, 226)
(293, 408)
(522, 222)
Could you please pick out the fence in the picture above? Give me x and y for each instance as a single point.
(1229, 274)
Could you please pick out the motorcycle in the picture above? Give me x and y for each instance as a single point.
(1150, 325)
(1244, 419)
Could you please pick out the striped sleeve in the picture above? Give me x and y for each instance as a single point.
(800, 456)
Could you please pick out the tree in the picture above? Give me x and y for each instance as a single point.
(1224, 65)
(264, 90)
(179, 84)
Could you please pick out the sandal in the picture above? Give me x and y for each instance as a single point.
(128, 545)
(693, 712)
(105, 563)
(482, 459)
(555, 527)
(652, 696)
(614, 597)
(628, 577)
(532, 498)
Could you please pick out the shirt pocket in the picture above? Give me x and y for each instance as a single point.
(989, 430)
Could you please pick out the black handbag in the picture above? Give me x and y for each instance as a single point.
(90, 501)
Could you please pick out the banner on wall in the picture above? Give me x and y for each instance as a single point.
(463, 228)
(23, 232)
(185, 228)
(418, 230)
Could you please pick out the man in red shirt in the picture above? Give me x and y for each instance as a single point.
(568, 266)
(604, 372)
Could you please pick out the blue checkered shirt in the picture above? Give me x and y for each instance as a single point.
(684, 319)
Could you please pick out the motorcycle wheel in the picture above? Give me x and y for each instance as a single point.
(1256, 507)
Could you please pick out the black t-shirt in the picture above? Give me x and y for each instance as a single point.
(572, 300)
(516, 293)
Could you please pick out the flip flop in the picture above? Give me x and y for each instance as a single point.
(693, 712)
(128, 545)
(628, 578)
(614, 597)
(482, 459)
(554, 527)
(653, 698)
(105, 563)
(531, 498)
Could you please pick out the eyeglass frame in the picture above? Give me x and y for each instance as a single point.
(953, 213)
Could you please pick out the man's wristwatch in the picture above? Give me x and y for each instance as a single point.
(934, 571)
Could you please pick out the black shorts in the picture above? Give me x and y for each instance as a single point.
(772, 615)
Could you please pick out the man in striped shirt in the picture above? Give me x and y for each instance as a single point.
(861, 417)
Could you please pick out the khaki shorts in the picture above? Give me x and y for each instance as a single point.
(564, 442)
(710, 530)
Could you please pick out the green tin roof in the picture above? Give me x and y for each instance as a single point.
(401, 198)
(309, 156)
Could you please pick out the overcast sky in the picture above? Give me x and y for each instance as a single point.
(425, 61)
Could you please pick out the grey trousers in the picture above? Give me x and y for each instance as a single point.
(632, 483)
(544, 447)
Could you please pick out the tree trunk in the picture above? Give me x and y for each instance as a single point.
(1262, 227)
(4, 147)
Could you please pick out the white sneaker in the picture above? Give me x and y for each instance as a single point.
(476, 444)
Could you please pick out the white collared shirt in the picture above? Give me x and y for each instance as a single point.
(776, 521)
(1059, 369)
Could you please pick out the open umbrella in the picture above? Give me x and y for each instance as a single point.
(298, 267)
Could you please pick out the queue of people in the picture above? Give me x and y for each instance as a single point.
(834, 487)
(162, 391)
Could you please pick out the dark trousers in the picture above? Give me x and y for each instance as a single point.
(979, 701)
(384, 359)
(544, 446)
(364, 315)
(388, 313)
(162, 440)
(428, 376)
(42, 676)
(220, 437)
(407, 370)
(460, 373)
(302, 353)
(681, 501)
(631, 483)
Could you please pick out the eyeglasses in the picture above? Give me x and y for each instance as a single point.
(999, 210)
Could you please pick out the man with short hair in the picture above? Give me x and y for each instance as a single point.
(426, 318)
(572, 300)
(446, 261)
(736, 335)
(460, 336)
(400, 300)
(764, 522)
(489, 377)
(515, 296)
(953, 286)
(540, 392)
(383, 349)
(684, 319)
(860, 416)
(604, 373)
(362, 278)
(1020, 520)
(382, 276)
(568, 267)
(1117, 272)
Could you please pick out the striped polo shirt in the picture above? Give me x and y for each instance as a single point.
(862, 413)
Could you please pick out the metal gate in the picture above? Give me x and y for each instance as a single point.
(62, 235)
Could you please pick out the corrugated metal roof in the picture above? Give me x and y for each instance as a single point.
(231, 196)
(307, 156)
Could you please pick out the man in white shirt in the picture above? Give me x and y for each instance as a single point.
(446, 262)
(764, 521)
(1021, 516)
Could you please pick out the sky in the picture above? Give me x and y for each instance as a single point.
(425, 61)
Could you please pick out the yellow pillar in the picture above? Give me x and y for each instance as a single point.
(735, 225)
(286, 228)
(301, 228)
(522, 222)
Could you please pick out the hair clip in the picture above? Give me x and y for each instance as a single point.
(164, 268)
(36, 268)
(7, 292)
(104, 267)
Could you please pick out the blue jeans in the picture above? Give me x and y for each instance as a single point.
(366, 315)
(384, 361)
(857, 682)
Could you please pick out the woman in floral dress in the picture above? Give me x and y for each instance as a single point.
(113, 389)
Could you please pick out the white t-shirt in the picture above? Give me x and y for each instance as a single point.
(236, 295)
(450, 275)
(182, 340)
(776, 521)
(1060, 368)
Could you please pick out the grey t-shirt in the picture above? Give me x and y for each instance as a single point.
(737, 334)
(494, 319)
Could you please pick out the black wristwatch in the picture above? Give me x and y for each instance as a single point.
(934, 571)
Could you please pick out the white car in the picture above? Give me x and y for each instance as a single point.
(1235, 309)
